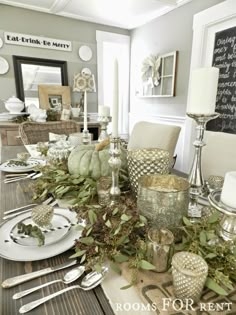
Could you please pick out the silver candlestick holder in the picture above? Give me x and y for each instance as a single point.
(195, 177)
(115, 164)
(104, 121)
(86, 137)
(227, 229)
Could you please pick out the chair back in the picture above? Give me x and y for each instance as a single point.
(219, 154)
(33, 132)
(154, 135)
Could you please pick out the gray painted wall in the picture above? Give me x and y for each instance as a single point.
(18, 20)
(170, 32)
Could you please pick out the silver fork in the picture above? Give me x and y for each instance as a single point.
(16, 179)
(49, 201)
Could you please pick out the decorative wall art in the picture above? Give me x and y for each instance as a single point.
(37, 41)
(85, 53)
(54, 97)
(4, 66)
(224, 58)
(158, 76)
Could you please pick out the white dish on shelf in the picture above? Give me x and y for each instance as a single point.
(12, 250)
(4, 66)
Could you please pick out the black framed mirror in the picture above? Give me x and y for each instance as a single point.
(31, 72)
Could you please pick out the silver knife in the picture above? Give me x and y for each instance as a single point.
(11, 282)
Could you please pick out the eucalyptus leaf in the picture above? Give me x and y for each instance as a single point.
(79, 227)
(108, 223)
(92, 216)
(78, 254)
(126, 287)
(210, 256)
(121, 258)
(125, 217)
(115, 267)
(89, 231)
(214, 217)
(186, 221)
(117, 231)
(212, 285)
(83, 258)
(122, 240)
(115, 211)
(143, 219)
(87, 240)
(203, 237)
(144, 264)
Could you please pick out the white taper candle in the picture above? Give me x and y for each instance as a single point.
(85, 111)
(115, 106)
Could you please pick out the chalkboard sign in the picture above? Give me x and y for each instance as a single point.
(224, 58)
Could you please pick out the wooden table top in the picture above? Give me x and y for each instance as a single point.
(74, 302)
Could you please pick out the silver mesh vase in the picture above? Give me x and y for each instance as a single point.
(189, 273)
(146, 162)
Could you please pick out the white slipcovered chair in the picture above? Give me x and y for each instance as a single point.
(154, 135)
(219, 154)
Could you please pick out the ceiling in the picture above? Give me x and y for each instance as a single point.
(121, 13)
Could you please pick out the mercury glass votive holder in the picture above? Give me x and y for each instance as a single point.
(189, 273)
(160, 248)
(215, 182)
(163, 200)
(103, 190)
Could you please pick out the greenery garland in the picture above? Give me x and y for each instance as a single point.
(56, 181)
(114, 233)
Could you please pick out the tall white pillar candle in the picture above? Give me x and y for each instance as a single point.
(228, 194)
(85, 111)
(115, 100)
(203, 91)
(104, 111)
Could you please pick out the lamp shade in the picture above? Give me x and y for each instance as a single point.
(84, 82)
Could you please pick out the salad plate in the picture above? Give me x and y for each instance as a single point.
(56, 242)
(11, 167)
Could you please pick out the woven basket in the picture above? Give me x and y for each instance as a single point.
(146, 162)
(189, 273)
(33, 132)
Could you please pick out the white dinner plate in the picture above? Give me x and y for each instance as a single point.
(5, 167)
(12, 250)
(4, 66)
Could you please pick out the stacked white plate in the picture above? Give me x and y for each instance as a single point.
(6, 116)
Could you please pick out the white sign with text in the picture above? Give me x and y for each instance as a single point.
(36, 41)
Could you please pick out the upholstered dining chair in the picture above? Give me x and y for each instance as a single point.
(154, 135)
(33, 132)
(219, 154)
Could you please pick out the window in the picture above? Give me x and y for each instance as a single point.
(110, 47)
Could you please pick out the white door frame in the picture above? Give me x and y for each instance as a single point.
(205, 25)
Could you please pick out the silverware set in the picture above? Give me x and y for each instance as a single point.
(89, 282)
(11, 178)
(9, 214)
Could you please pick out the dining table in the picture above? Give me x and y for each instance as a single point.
(74, 302)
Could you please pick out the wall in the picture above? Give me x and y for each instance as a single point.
(170, 32)
(18, 20)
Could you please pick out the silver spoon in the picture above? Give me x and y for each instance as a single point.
(89, 282)
(69, 277)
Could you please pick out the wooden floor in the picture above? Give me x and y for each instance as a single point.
(75, 302)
